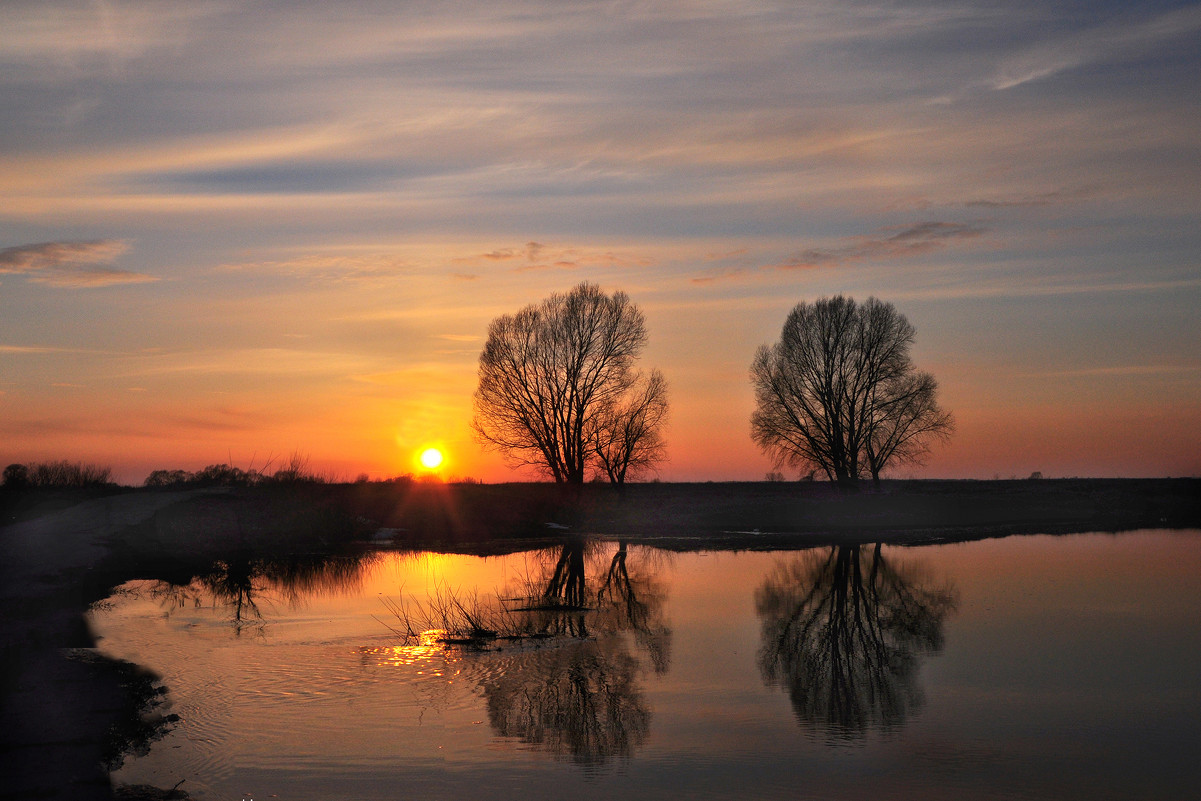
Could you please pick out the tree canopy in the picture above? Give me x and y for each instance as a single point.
(840, 394)
(558, 389)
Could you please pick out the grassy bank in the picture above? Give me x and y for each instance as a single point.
(426, 514)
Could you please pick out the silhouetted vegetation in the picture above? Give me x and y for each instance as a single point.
(839, 392)
(241, 581)
(609, 630)
(558, 390)
(58, 474)
(566, 680)
(557, 599)
(296, 470)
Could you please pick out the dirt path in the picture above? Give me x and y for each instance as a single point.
(55, 708)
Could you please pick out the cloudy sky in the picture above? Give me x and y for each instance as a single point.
(234, 230)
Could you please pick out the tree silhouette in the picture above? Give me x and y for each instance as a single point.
(840, 393)
(843, 630)
(557, 387)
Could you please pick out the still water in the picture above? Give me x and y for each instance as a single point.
(1024, 667)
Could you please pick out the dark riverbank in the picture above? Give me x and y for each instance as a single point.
(66, 552)
(746, 514)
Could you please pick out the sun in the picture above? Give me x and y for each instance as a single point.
(431, 458)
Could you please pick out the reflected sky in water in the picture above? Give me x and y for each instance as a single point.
(1039, 667)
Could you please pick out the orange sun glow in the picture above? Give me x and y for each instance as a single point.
(431, 458)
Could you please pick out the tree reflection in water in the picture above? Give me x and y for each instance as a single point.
(242, 581)
(844, 630)
(578, 696)
(579, 700)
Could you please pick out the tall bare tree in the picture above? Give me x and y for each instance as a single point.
(839, 391)
(555, 375)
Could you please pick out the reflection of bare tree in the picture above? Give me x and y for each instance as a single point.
(560, 608)
(565, 587)
(634, 602)
(581, 699)
(844, 629)
(577, 700)
(559, 600)
(240, 582)
(233, 584)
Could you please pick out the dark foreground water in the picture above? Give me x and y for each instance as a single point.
(1026, 667)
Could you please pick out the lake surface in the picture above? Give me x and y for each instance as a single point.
(1025, 667)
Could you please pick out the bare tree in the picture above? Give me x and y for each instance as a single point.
(554, 375)
(840, 393)
(629, 439)
(907, 421)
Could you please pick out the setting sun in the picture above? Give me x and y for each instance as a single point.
(431, 458)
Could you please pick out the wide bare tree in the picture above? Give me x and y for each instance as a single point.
(557, 381)
(839, 392)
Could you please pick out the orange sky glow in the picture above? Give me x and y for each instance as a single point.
(213, 250)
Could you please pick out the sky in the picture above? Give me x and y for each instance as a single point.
(234, 231)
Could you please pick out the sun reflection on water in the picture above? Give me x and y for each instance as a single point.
(429, 653)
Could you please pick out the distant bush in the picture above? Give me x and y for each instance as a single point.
(168, 478)
(16, 476)
(57, 474)
(294, 471)
(215, 475)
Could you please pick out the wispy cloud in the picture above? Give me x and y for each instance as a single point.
(1118, 371)
(540, 256)
(73, 265)
(894, 242)
(20, 349)
(386, 173)
(1111, 42)
(1030, 287)
(713, 278)
(327, 266)
(1035, 200)
(71, 38)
